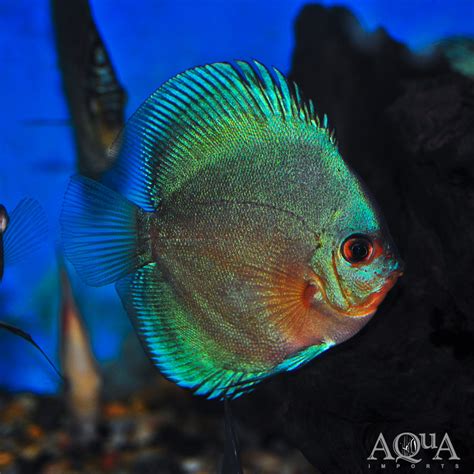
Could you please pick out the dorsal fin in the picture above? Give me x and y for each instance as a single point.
(198, 115)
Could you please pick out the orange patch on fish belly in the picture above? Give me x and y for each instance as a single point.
(291, 302)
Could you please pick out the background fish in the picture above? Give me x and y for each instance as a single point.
(241, 243)
(95, 97)
(21, 233)
(459, 51)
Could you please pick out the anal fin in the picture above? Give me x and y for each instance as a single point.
(173, 342)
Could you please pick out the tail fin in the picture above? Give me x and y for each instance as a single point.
(26, 231)
(101, 233)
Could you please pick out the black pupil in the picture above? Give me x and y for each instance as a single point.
(359, 250)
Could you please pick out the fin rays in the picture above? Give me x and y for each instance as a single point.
(165, 334)
(100, 232)
(190, 112)
(26, 231)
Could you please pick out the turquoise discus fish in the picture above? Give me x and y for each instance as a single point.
(240, 242)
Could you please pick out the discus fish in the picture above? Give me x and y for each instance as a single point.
(21, 233)
(241, 243)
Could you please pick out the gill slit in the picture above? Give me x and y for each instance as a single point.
(338, 278)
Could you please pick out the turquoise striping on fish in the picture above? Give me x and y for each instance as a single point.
(175, 130)
(149, 299)
(241, 243)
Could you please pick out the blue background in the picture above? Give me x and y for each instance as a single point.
(149, 41)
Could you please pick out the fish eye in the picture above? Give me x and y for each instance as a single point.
(357, 248)
(3, 219)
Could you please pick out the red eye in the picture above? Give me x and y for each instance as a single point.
(357, 249)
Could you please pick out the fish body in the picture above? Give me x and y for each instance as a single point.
(21, 232)
(241, 243)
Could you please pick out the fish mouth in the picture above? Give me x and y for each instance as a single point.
(368, 307)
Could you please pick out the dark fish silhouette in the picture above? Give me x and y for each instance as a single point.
(95, 97)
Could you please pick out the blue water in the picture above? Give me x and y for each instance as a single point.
(149, 41)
